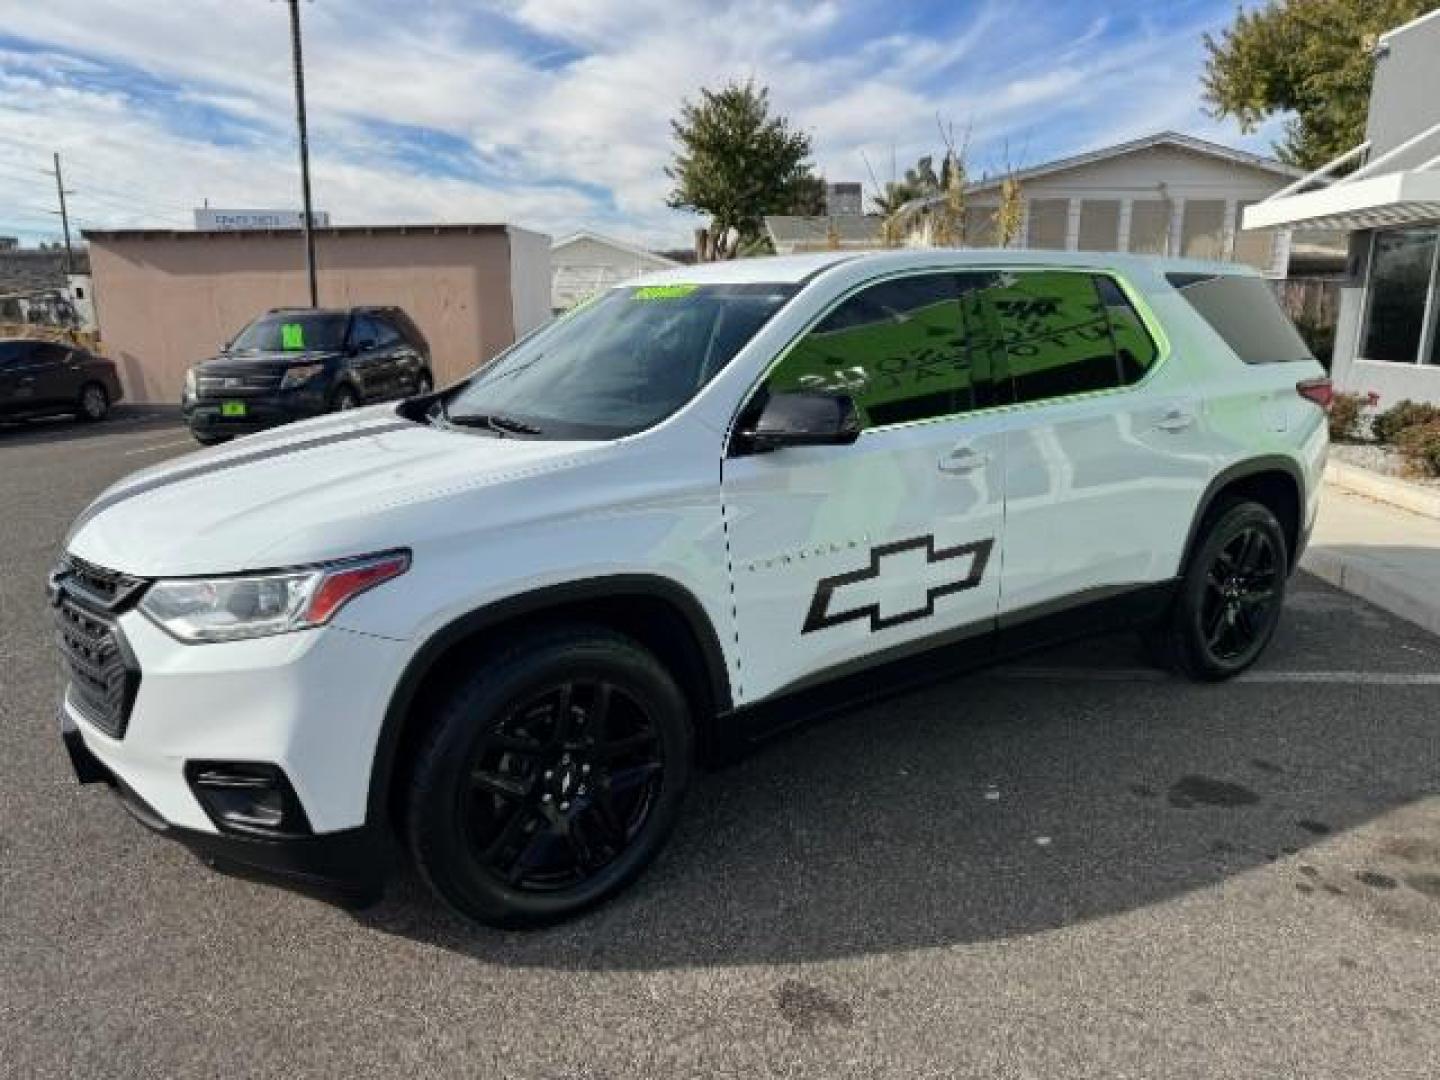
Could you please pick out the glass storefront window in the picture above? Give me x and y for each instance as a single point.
(1401, 279)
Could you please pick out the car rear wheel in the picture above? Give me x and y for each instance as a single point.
(211, 440)
(551, 777)
(1230, 596)
(94, 402)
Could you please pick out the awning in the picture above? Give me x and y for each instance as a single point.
(1397, 198)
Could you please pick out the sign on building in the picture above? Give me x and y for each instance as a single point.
(209, 219)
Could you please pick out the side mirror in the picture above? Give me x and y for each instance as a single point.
(804, 418)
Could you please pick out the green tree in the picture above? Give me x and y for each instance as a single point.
(1309, 58)
(736, 163)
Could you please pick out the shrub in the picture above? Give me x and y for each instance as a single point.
(1388, 425)
(1419, 444)
(1345, 412)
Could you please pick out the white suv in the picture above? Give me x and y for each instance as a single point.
(499, 625)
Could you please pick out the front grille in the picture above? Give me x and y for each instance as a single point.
(236, 386)
(103, 676)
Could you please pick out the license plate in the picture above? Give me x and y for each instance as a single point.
(232, 408)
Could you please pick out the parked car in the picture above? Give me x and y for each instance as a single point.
(53, 378)
(294, 363)
(497, 627)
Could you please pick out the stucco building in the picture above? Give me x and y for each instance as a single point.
(1386, 339)
(586, 262)
(167, 298)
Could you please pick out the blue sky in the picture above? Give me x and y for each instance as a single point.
(553, 114)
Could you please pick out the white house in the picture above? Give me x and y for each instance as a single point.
(1166, 194)
(1387, 338)
(585, 262)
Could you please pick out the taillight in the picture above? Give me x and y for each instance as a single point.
(1317, 390)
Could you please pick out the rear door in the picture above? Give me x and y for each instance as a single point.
(1105, 453)
(10, 352)
(845, 555)
(42, 379)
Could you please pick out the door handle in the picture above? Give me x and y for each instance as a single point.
(1175, 419)
(962, 460)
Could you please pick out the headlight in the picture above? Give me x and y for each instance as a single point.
(257, 605)
(190, 383)
(299, 375)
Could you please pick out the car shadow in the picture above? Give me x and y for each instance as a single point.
(67, 429)
(988, 807)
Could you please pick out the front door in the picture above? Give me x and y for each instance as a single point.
(842, 555)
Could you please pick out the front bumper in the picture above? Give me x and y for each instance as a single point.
(262, 411)
(344, 867)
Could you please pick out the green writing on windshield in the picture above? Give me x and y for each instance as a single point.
(292, 336)
(663, 292)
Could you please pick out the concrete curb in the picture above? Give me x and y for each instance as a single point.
(1384, 489)
(1350, 576)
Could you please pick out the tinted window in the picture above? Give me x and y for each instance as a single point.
(1243, 311)
(11, 351)
(907, 349)
(373, 331)
(1399, 284)
(1134, 347)
(48, 353)
(292, 331)
(1055, 334)
(621, 363)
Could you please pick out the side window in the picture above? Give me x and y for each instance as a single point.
(49, 354)
(385, 332)
(1134, 347)
(901, 348)
(365, 330)
(1055, 334)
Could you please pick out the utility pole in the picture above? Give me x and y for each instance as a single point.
(308, 220)
(64, 216)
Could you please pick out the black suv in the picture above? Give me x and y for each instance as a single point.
(292, 363)
(50, 378)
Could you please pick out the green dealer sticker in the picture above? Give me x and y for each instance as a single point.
(664, 292)
(292, 336)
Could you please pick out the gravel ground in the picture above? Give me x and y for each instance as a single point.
(1379, 459)
(1072, 867)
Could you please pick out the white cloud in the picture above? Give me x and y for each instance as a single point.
(564, 105)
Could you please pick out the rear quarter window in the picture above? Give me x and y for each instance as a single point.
(1243, 311)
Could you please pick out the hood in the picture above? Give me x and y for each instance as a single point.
(307, 492)
(250, 362)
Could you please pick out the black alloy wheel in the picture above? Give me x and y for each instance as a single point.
(94, 402)
(551, 777)
(345, 398)
(1231, 594)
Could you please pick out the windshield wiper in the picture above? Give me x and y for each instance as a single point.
(501, 425)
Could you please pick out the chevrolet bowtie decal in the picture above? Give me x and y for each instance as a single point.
(829, 606)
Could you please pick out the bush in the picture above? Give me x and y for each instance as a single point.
(1388, 425)
(1419, 445)
(1345, 410)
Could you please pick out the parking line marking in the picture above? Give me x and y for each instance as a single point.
(157, 446)
(1360, 678)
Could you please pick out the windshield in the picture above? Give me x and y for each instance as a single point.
(619, 364)
(292, 331)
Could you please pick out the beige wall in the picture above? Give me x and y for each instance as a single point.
(166, 301)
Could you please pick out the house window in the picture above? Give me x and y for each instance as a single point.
(1099, 224)
(1402, 280)
(1254, 247)
(1202, 229)
(1048, 221)
(1150, 226)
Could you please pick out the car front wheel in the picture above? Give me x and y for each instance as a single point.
(94, 402)
(550, 778)
(1230, 596)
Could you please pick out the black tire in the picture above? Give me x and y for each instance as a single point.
(1230, 596)
(94, 403)
(344, 398)
(211, 440)
(515, 816)
(424, 384)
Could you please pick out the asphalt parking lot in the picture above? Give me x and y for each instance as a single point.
(1069, 867)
